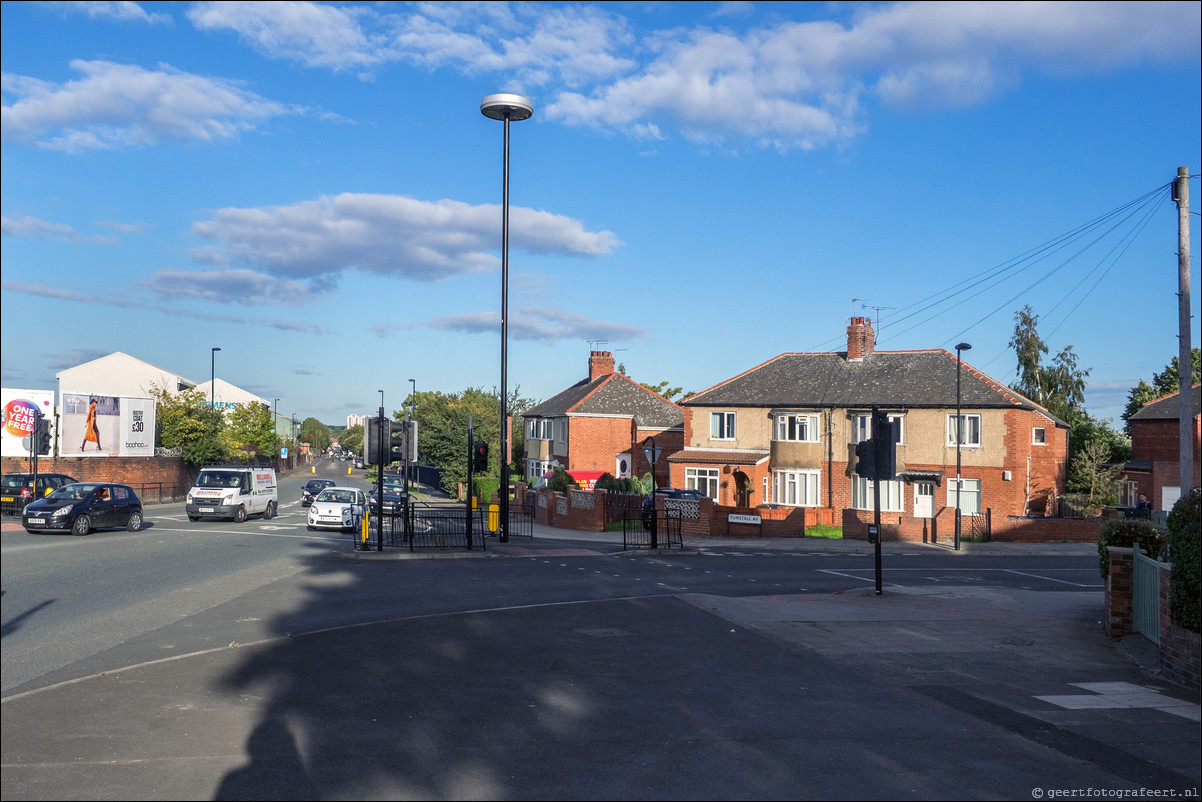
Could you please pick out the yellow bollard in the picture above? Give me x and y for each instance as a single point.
(348, 470)
(494, 517)
(365, 527)
(313, 469)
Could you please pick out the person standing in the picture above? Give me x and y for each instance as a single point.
(91, 431)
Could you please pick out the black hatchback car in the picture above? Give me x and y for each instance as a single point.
(84, 507)
(665, 493)
(312, 488)
(18, 489)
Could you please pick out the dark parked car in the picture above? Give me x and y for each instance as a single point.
(394, 497)
(666, 493)
(312, 488)
(84, 507)
(18, 489)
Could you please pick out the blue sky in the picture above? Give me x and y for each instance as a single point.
(703, 186)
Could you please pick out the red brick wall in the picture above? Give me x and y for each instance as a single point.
(146, 474)
(1005, 529)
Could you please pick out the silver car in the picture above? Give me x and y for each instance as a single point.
(340, 508)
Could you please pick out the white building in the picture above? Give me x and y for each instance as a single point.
(357, 420)
(119, 374)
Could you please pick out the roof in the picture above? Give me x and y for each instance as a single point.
(883, 378)
(719, 456)
(1166, 407)
(612, 394)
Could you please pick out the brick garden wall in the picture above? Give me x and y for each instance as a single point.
(151, 476)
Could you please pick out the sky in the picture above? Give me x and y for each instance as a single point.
(703, 186)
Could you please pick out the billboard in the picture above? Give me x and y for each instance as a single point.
(106, 426)
(18, 418)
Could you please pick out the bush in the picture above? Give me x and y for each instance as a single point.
(1124, 532)
(607, 481)
(560, 481)
(1185, 582)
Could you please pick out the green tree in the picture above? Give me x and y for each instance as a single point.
(250, 430)
(1093, 476)
(315, 433)
(352, 439)
(187, 422)
(1163, 383)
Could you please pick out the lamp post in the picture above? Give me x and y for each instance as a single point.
(213, 376)
(506, 108)
(960, 348)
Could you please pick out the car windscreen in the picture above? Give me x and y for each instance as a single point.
(336, 496)
(16, 480)
(219, 479)
(73, 492)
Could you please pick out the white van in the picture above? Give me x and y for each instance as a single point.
(233, 492)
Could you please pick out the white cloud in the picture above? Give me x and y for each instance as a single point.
(312, 34)
(385, 234)
(122, 11)
(118, 105)
(25, 226)
(534, 324)
(243, 287)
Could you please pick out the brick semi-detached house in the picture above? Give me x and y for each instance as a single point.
(1155, 465)
(784, 433)
(600, 425)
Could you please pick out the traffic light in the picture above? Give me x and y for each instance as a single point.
(885, 448)
(398, 441)
(480, 457)
(41, 435)
(866, 459)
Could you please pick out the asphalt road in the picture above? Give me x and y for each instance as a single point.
(261, 661)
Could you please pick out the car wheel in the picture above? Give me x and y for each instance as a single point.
(240, 515)
(269, 512)
(134, 524)
(82, 525)
(193, 518)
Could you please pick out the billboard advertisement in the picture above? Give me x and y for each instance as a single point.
(19, 406)
(106, 426)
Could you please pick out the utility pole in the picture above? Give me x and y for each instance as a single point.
(1185, 370)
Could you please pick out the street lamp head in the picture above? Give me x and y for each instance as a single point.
(216, 348)
(963, 347)
(506, 107)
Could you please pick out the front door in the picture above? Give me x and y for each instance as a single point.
(924, 499)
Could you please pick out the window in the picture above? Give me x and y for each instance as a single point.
(861, 494)
(795, 488)
(861, 428)
(540, 429)
(969, 428)
(722, 425)
(797, 428)
(1039, 436)
(970, 496)
(702, 479)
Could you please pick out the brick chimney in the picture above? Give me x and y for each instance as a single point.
(600, 363)
(860, 339)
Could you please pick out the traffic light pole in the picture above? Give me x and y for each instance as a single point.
(381, 463)
(471, 457)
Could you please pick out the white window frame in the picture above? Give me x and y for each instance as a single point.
(540, 429)
(973, 431)
(797, 488)
(793, 424)
(722, 426)
(703, 479)
(899, 429)
(892, 494)
(1039, 436)
(861, 428)
(970, 495)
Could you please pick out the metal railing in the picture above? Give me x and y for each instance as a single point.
(441, 527)
(638, 535)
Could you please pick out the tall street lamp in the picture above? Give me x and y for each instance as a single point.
(505, 108)
(960, 348)
(213, 377)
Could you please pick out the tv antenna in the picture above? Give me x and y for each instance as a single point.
(878, 314)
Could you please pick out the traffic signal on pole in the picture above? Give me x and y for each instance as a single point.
(884, 448)
(865, 459)
(480, 457)
(41, 435)
(398, 441)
